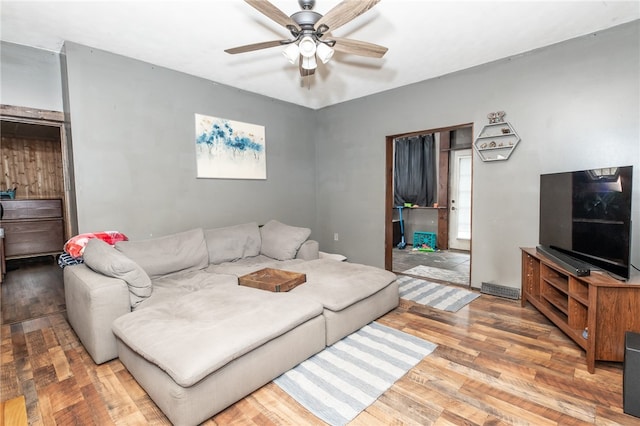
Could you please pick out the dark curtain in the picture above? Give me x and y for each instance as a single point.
(415, 171)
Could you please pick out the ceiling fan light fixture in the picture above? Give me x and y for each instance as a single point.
(291, 52)
(307, 47)
(324, 52)
(309, 62)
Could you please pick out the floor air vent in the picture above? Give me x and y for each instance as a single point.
(500, 290)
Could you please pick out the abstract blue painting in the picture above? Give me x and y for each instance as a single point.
(227, 149)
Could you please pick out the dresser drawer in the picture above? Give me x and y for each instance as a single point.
(33, 237)
(31, 209)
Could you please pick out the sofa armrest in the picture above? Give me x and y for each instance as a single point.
(93, 302)
(309, 250)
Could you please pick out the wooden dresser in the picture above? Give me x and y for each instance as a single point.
(32, 227)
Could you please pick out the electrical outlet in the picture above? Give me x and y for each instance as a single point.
(335, 237)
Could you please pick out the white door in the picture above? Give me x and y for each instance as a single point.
(460, 200)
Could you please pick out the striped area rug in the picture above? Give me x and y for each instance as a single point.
(348, 376)
(443, 297)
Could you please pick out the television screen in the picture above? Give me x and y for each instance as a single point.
(587, 214)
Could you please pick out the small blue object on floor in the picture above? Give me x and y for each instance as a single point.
(348, 376)
(446, 298)
(425, 238)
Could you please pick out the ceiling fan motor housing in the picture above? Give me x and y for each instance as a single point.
(306, 19)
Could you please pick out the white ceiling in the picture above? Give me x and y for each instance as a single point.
(426, 39)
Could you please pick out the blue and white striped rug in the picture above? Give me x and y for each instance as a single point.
(444, 297)
(348, 376)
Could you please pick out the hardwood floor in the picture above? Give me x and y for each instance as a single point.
(496, 364)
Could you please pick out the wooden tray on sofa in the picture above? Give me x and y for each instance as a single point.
(275, 280)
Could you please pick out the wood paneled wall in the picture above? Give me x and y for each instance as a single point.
(34, 166)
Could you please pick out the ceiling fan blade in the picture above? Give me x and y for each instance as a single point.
(256, 46)
(356, 47)
(344, 12)
(270, 11)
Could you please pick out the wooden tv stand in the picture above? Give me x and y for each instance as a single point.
(598, 303)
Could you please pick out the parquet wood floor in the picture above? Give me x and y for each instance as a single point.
(496, 364)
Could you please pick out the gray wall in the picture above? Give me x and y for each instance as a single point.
(575, 105)
(30, 77)
(133, 130)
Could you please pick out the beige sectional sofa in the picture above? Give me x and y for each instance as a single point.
(171, 309)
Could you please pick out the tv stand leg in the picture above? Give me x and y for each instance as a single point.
(591, 362)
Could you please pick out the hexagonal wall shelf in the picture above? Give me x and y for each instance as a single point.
(496, 141)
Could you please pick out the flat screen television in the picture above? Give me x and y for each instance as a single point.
(586, 215)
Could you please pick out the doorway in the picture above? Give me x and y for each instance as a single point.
(38, 161)
(449, 218)
(460, 200)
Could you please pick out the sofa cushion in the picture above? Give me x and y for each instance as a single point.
(183, 251)
(280, 241)
(309, 250)
(196, 334)
(248, 265)
(103, 258)
(233, 242)
(172, 286)
(338, 285)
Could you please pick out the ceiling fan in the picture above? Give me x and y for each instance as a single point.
(310, 38)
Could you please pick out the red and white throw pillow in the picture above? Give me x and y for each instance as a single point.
(75, 246)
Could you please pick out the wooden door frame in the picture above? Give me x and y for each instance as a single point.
(52, 119)
(443, 188)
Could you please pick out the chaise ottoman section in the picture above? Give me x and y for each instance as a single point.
(352, 294)
(341, 323)
(204, 351)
